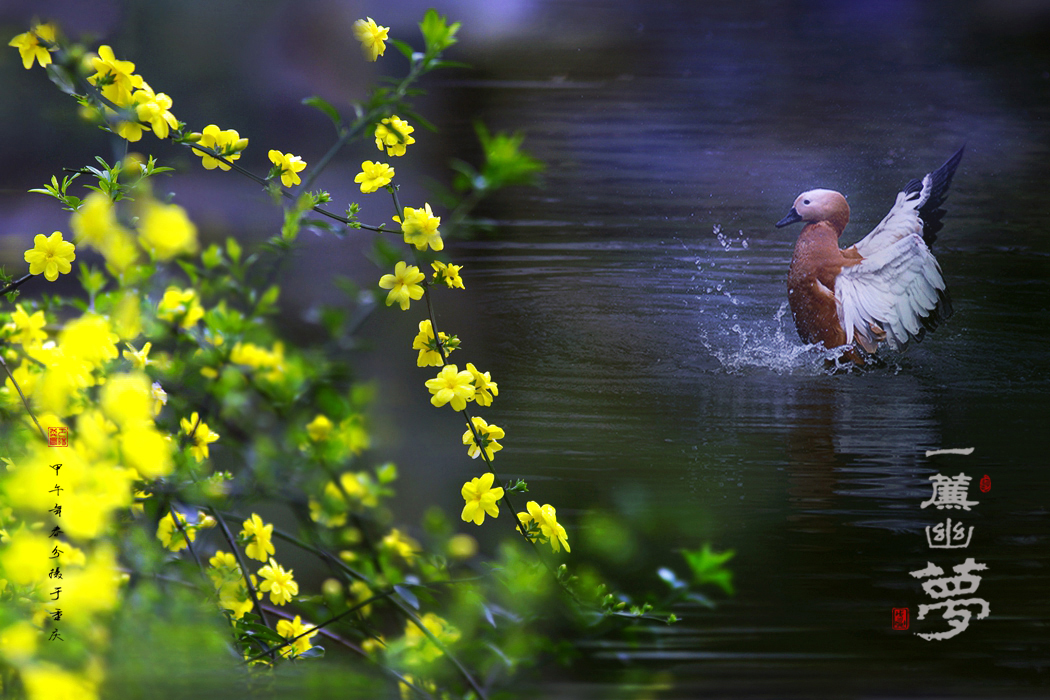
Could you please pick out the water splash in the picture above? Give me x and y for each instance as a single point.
(726, 241)
(762, 344)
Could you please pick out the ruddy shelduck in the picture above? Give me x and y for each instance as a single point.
(887, 288)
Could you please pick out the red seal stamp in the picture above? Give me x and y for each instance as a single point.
(900, 619)
(58, 437)
(986, 483)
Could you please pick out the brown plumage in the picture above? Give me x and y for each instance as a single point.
(886, 288)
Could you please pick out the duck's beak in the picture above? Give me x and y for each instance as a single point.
(791, 218)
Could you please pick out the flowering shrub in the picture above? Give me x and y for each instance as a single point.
(118, 407)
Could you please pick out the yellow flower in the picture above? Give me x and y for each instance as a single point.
(89, 338)
(139, 359)
(224, 568)
(169, 534)
(182, 305)
(43, 680)
(260, 358)
(154, 109)
(94, 220)
(545, 519)
(278, 583)
(50, 255)
(115, 79)
(234, 597)
(125, 399)
(480, 498)
(258, 536)
(420, 228)
(319, 428)
(361, 592)
(146, 451)
(289, 629)
(429, 355)
(373, 176)
(28, 330)
(447, 273)
(372, 37)
(30, 48)
(484, 387)
(290, 166)
(489, 434)
(160, 397)
(403, 284)
(227, 144)
(420, 649)
(166, 229)
(451, 386)
(401, 544)
(394, 134)
(202, 436)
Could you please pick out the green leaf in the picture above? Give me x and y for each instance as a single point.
(404, 48)
(233, 249)
(437, 32)
(326, 107)
(707, 567)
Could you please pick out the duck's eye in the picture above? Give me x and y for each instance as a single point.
(805, 201)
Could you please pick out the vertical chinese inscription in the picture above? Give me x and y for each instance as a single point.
(957, 604)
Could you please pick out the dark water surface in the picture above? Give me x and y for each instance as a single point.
(649, 368)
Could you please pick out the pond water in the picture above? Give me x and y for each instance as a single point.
(635, 312)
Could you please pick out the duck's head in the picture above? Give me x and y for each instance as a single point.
(819, 205)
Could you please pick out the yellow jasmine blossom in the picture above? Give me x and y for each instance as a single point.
(488, 434)
(50, 255)
(234, 597)
(227, 144)
(89, 338)
(403, 284)
(429, 355)
(289, 165)
(28, 330)
(394, 133)
(258, 536)
(372, 37)
(290, 629)
(154, 109)
(373, 176)
(451, 386)
(224, 568)
(447, 273)
(30, 48)
(146, 451)
(480, 498)
(18, 642)
(420, 228)
(420, 649)
(202, 436)
(166, 229)
(546, 520)
(139, 359)
(401, 544)
(114, 78)
(484, 387)
(278, 583)
(182, 305)
(94, 219)
(169, 534)
(125, 399)
(160, 397)
(319, 428)
(44, 680)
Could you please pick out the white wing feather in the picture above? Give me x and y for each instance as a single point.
(902, 220)
(895, 287)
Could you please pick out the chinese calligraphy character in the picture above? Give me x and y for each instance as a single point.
(55, 635)
(57, 510)
(57, 490)
(950, 492)
(55, 553)
(57, 614)
(55, 573)
(55, 593)
(949, 537)
(56, 467)
(955, 612)
(55, 531)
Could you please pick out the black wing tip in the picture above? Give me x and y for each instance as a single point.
(931, 212)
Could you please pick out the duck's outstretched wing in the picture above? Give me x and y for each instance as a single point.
(917, 210)
(896, 295)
